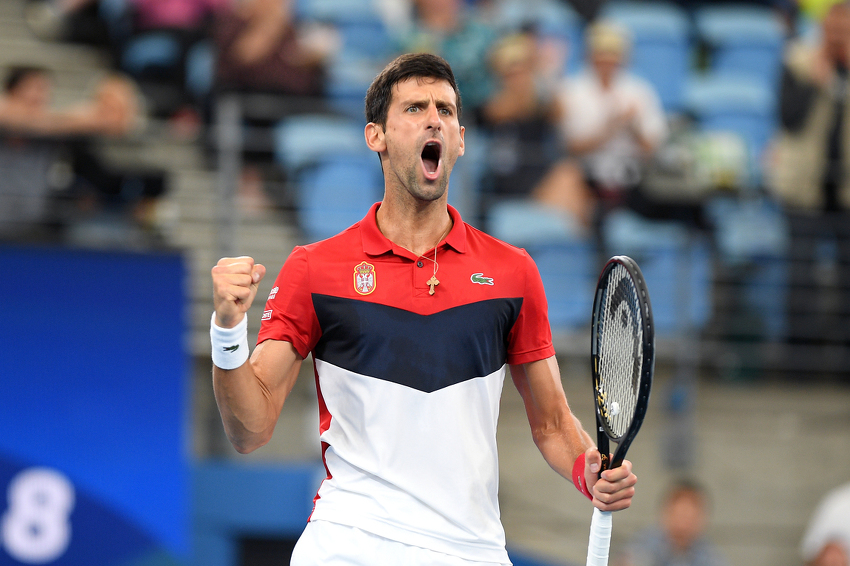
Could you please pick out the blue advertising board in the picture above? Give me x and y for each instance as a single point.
(93, 408)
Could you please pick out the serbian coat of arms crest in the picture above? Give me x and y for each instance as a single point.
(364, 278)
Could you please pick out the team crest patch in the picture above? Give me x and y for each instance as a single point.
(364, 278)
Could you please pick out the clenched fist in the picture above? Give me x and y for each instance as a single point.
(235, 282)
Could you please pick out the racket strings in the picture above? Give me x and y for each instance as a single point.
(620, 351)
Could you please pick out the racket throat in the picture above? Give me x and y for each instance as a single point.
(606, 463)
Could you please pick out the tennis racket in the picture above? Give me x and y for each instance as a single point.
(622, 355)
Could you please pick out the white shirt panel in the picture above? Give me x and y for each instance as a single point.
(420, 468)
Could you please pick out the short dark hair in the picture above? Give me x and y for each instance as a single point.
(689, 487)
(403, 67)
(17, 74)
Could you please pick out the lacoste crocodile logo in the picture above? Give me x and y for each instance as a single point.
(480, 279)
(231, 349)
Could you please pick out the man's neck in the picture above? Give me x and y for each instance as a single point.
(417, 229)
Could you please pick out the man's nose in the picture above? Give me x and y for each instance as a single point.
(434, 119)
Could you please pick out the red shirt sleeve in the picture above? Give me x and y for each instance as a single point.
(289, 315)
(530, 339)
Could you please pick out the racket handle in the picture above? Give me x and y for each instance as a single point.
(600, 538)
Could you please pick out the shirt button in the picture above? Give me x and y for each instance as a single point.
(419, 264)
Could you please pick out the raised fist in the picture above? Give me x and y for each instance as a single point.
(235, 282)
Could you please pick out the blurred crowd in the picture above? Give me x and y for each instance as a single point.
(584, 108)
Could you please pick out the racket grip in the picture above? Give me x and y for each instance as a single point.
(600, 538)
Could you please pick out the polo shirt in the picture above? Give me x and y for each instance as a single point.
(409, 382)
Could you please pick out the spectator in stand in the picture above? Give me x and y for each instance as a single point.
(809, 173)
(521, 118)
(680, 538)
(827, 538)
(451, 29)
(612, 121)
(187, 23)
(47, 153)
(262, 48)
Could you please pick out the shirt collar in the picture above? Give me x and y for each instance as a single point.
(375, 243)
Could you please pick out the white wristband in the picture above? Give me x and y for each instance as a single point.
(229, 345)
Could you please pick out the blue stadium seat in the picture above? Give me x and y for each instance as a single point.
(676, 265)
(661, 45)
(525, 222)
(334, 11)
(348, 80)
(336, 192)
(306, 139)
(569, 272)
(754, 234)
(553, 19)
(147, 51)
(744, 39)
(365, 38)
(200, 68)
(735, 103)
(366, 45)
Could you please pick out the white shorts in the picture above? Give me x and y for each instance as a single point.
(324, 543)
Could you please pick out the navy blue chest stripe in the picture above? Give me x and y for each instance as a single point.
(424, 352)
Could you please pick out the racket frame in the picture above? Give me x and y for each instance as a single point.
(603, 432)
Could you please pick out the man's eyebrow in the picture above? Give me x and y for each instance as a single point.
(446, 104)
(423, 102)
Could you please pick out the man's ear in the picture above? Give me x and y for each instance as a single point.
(462, 142)
(375, 137)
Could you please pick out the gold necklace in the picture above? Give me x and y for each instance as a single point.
(433, 282)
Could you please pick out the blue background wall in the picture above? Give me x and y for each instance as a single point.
(93, 387)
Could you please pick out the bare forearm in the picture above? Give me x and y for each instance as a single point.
(247, 411)
(561, 445)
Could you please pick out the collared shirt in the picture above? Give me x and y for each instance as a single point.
(409, 382)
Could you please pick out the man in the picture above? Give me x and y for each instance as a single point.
(680, 538)
(411, 316)
(808, 173)
(612, 120)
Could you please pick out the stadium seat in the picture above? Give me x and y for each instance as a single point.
(306, 139)
(525, 222)
(365, 46)
(742, 39)
(753, 239)
(336, 192)
(734, 103)
(365, 38)
(200, 69)
(348, 80)
(150, 51)
(661, 45)
(568, 268)
(552, 19)
(676, 265)
(333, 11)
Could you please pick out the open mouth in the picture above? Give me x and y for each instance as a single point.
(431, 158)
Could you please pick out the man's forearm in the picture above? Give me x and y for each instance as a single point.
(245, 405)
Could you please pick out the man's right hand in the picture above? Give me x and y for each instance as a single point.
(235, 282)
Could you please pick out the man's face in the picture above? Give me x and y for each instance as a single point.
(685, 520)
(606, 64)
(423, 138)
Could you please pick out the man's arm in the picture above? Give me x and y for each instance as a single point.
(561, 439)
(251, 396)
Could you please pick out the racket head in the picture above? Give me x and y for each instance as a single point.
(622, 355)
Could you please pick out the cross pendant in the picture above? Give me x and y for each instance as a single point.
(432, 282)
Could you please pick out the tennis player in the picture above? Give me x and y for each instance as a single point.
(412, 317)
